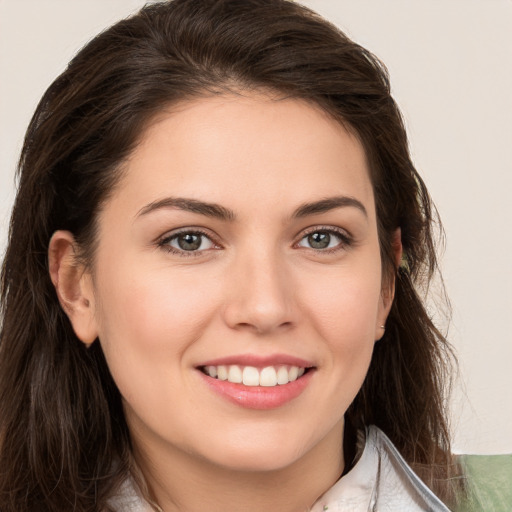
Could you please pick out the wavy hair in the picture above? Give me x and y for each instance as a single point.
(64, 442)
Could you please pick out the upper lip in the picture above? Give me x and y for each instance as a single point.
(259, 361)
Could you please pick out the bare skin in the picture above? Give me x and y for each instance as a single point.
(243, 227)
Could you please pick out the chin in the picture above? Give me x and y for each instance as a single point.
(266, 461)
(260, 455)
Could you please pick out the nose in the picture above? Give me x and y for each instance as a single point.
(261, 295)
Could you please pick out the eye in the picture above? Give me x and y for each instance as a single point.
(187, 242)
(322, 239)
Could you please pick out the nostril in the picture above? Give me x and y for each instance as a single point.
(262, 327)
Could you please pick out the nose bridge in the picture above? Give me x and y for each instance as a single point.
(261, 290)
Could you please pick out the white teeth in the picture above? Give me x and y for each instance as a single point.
(282, 375)
(250, 376)
(235, 374)
(222, 373)
(269, 376)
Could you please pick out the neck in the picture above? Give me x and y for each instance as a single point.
(178, 481)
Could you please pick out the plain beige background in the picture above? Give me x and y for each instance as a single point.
(451, 72)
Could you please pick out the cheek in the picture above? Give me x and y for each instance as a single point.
(343, 309)
(344, 306)
(147, 321)
(148, 318)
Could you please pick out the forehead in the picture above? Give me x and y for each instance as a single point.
(246, 150)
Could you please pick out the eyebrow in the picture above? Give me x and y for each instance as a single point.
(327, 204)
(190, 205)
(222, 213)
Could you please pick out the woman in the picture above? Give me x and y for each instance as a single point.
(210, 292)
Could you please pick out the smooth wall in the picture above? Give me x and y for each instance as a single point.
(451, 72)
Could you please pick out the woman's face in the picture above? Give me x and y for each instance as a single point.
(240, 244)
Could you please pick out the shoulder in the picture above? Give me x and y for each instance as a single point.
(488, 481)
(380, 481)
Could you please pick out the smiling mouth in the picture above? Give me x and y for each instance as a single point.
(269, 376)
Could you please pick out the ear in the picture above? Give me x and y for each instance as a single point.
(388, 288)
(73, 285)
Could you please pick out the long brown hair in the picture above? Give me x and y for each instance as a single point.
(64, 443)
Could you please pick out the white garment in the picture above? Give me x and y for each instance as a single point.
(380, 481)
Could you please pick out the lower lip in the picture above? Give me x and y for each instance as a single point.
(259, 397)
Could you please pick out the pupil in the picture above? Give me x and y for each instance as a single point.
(189, 242)
(319, 240)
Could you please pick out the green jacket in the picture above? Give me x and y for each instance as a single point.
(489, 483)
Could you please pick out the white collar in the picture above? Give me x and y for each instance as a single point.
(381, 480)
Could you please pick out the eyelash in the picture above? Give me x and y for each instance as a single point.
(346, 241)
(164, 242)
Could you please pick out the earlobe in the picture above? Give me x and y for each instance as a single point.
(73, 285)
